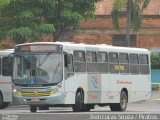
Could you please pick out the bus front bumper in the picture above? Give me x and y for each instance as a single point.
(57, 98)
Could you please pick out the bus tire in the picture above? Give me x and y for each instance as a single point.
(4, 105)
(86, 108)
(33, 108)
(1, 100)
(79, 102)
(122, 105)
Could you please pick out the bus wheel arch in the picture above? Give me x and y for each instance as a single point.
(123, 101)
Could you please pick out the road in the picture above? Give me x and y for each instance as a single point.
(150, 107)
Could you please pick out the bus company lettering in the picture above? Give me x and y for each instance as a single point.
(123, 82)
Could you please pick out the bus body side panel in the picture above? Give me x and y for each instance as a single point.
(94, 88)
(117, 83)
(71, 86)
(141, 88)
(6, 88)
(104, 88)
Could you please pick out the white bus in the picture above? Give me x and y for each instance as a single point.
(80, 75)
(5, 77)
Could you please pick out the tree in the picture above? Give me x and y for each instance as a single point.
(29, 20)
(68, 14)
(134, 10)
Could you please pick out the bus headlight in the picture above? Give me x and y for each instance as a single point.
(51, 90)
(16, 89)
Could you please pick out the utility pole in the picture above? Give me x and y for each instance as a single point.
(128, 27)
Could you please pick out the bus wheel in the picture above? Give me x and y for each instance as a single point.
(4, 105)
(79, 103)
(33, 108)
(1, 100)
(122, 105)
(86, 108)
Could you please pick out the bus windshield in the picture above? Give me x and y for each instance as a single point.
(38, 68)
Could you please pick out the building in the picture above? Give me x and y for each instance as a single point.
(100, 29)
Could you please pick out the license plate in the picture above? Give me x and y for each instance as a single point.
(35, 99)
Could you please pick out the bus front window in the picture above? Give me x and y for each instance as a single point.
(43, 68)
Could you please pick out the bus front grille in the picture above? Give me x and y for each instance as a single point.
(36, 94)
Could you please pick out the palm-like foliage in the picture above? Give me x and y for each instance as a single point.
(134, 10)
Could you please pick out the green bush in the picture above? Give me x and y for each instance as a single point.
(155, 60)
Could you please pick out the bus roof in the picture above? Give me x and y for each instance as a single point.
(6, 51)
(83, 46)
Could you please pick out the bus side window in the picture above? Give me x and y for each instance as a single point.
(144, 64)
(113, 62)
(68, 65)
(7, 66)
(91, 59)
(102, 60)
(124, 63)
(79, 61)
(134, 63)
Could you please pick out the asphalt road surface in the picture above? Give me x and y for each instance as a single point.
(142, 110)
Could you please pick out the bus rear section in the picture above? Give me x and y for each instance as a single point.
(5, 78)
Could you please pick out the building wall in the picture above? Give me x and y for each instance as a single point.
(100, 29)
(101, 22)
(151, 40)
(104, 7)
(147, 40)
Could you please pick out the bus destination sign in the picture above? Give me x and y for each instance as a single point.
(39, 48)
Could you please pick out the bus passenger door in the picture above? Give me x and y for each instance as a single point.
(68, 77)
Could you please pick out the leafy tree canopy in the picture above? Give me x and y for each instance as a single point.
(29, 20)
